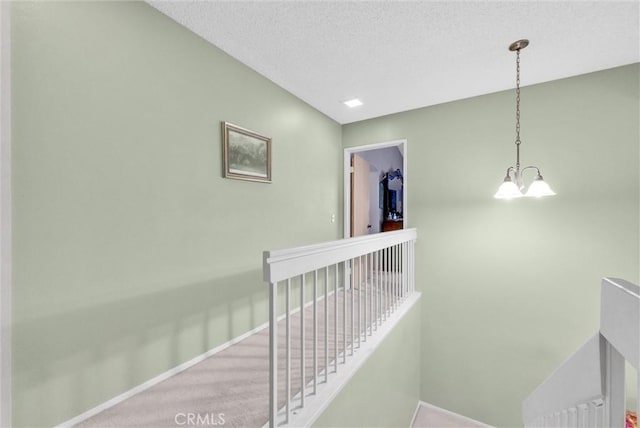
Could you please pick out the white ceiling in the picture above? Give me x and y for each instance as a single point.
(400, 55)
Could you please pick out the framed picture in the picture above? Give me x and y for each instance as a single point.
(246, 154)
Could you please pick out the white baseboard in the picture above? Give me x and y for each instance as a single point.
(415, 413)
(449, 412)
(161, 377)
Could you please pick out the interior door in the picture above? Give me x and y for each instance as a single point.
(360, 218)
(360, 196)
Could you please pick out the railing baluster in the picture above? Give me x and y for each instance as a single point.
(564, 418)
(353, 320)
(273, 353)
(380, 284)
(409, 291)
(405, 269)
(412, 277)
(403, 258)
(407, 265)
(326, 324)
(382, 276)
(371, 293)
(383, 273)
(399, 265)
(393, 278)
(398, 275)
(302, 342)
(365, 269)
(390, 280)
(344, 314)
(315, 331)
(599, 416)
(592, 416)
(335, 317)
(288, 352)
(573, 418)
(395, 275)
(582, 415)
(377, 285)
(359, 298)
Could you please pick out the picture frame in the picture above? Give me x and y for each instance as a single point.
(246, 154)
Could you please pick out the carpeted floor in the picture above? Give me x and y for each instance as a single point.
(231, 387)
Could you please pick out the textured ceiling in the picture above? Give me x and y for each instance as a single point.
(397, 55)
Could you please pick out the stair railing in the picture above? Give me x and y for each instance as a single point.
(343, 293)
(588, 390)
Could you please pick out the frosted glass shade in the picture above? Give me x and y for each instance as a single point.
(539, 188)
(508, 190)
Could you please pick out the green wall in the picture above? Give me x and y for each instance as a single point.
(511, 288)
(131, 253)
(385, 390)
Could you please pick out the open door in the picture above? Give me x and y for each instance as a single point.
(387, 210)
(360, 196)
(360, 199)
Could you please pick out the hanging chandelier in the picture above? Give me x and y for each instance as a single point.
(513, 184)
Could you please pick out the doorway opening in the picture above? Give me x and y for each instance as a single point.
(375, 188)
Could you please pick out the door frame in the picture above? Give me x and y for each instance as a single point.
(5, 214)
(402, 145)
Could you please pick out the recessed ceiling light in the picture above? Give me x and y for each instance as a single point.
(353, 103)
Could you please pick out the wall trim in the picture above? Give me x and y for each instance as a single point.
(415, 413)
(171, 372)
(348, 151)
(449, 412)
(5, 214)
(157, 379)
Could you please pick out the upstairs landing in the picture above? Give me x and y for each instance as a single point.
(231, 388)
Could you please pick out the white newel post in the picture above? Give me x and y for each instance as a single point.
(614, 387)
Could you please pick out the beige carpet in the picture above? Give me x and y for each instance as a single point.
(429, 416)
(232, 385)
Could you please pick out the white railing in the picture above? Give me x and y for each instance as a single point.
(362, 283)
(588, 390)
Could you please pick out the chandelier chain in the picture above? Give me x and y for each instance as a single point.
(518, 97)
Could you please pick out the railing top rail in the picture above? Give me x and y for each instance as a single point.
(286, 263)
(623, 285)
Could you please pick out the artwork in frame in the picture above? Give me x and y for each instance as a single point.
(246, 154)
